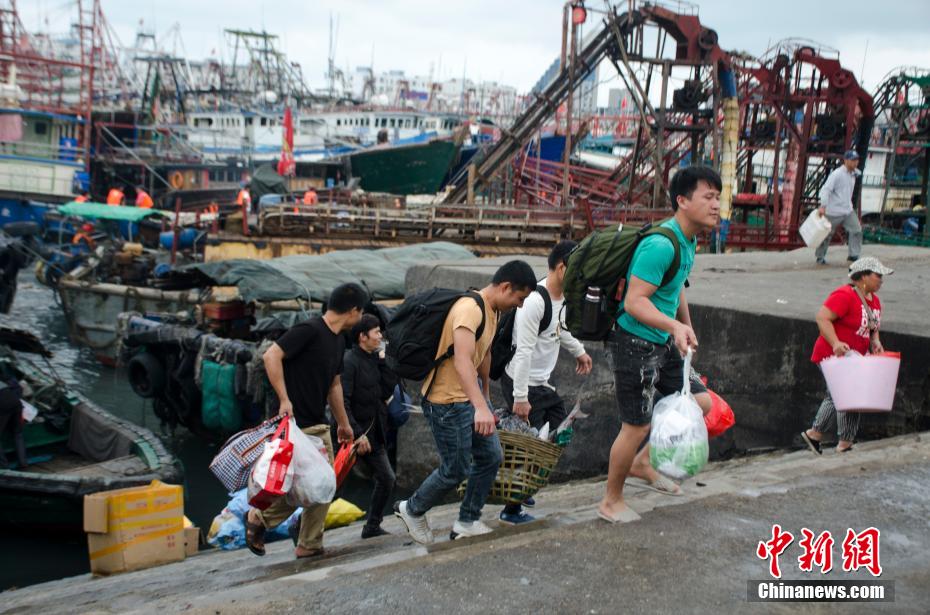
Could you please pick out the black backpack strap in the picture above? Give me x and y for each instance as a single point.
(480, 301)
(672, 271)
(547, 309)
(669, 234)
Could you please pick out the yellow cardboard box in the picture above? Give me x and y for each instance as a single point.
(138, 527)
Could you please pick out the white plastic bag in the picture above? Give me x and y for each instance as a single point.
(29, 411)
(678, 442)
(314, 478)
(272, 476)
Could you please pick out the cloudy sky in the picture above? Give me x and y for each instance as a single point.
(511, 41)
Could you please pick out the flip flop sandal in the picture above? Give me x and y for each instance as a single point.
(254, 536)
(312, 553)
(812, 444)
(663, 485)
(626, 516)
(844, 450)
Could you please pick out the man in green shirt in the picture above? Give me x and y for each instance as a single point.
(653, 334)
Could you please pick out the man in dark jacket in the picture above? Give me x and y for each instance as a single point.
(366, 385)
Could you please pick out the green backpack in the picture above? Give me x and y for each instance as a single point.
(595, 278)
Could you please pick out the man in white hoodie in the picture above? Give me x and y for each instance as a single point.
(525, 381)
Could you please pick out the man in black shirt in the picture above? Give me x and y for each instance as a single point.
(303, 367)
(366, 384)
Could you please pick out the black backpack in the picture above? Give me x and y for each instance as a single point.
(415, 330)
(503, 348)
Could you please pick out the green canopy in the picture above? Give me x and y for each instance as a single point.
(315, 276)
(101, 211)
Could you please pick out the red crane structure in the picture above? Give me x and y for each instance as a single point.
(800, 110)
(651, 47)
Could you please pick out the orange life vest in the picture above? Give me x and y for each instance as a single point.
(85, 237)
(143, 200)
(80, 199)
(115, 197)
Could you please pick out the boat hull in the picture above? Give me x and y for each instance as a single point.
(410, 169)
(55, 500)
(91, 310)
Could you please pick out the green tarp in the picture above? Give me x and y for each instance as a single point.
(101, 211)
(220, 410)
(314, 277)
(266, 180)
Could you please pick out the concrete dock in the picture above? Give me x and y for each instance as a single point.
(753, 315)
(754, 318)
(693, 553)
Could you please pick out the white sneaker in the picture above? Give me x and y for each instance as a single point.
(461, 529)
(418, 527)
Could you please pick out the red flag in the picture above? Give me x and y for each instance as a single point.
(286, 165)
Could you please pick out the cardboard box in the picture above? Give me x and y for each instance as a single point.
(191, 539)
(134, 528)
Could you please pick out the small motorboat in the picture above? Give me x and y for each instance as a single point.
(73, 446)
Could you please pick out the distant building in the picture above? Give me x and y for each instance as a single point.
(585, 101)
(619, 100)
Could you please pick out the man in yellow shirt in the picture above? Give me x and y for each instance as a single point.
(457, 408)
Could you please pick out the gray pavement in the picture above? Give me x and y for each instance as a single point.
(688, 554)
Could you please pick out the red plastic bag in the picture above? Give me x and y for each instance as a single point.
(273, 473)
(343, 462)
(720, 418)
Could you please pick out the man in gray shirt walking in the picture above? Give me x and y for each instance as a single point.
(836, 204)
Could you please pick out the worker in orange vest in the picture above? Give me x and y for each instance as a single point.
(310, 197)
(83, 197)
(85, 235)
(115, 197)
(244, 199)
(143, 199)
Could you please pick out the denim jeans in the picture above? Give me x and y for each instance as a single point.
(462, 454)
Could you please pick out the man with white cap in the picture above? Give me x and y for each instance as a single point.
(836, 204)
(848, 320)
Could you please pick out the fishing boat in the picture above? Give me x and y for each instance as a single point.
(232, 292)
(404, 169)
(73, 446)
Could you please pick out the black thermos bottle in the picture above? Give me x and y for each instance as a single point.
(591, 311)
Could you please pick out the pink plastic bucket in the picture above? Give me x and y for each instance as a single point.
(862, 383)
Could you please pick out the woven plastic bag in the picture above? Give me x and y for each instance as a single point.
(678, 441)
(314, 479)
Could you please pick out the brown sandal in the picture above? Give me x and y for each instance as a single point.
(310, 552)
(254, 536)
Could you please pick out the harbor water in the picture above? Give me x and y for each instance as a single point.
(42, 557)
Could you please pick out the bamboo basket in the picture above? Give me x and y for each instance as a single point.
(528, 463)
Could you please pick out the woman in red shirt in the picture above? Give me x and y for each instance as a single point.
(846, 324)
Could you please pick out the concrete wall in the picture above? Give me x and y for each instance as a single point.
(759, 363)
